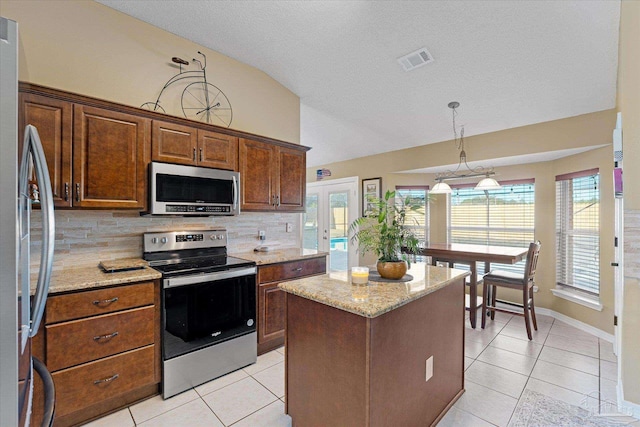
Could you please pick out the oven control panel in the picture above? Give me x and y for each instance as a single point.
(189, 237)
(176, 240)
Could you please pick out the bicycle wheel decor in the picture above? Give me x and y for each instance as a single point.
(206, 103)
(153, 106)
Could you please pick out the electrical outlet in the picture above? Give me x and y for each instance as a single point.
(289, 227)
(262, 235)
(428, 369)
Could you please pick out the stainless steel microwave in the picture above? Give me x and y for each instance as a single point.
(191, 190)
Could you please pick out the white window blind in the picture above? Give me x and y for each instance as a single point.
(578, 231)
(417, 221)
(503, 217)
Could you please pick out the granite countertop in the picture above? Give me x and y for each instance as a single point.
(376, 298)
(84, 278)
(279, 255)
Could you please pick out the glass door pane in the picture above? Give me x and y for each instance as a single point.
(339, 227)
(310, 223)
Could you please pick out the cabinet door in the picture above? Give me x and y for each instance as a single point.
(291, 180)
(109, 158)
(271, 320)
(258, 171)
(216, 150)
(53, 119)
(174, 143)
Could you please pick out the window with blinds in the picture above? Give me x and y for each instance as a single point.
(578, 231)
(503, 217)
(417, 221)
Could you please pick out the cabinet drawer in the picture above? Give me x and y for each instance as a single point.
(90, 303)
(292, 270)
(79, 341)
(79, 387)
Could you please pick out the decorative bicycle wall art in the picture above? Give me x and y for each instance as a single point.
(200, 100)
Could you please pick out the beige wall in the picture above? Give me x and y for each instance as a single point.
(587, 130)
(629, 105)
(84, 47)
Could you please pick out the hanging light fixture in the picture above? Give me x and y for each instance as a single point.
(487, 183)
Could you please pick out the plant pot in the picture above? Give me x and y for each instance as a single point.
(394, 270)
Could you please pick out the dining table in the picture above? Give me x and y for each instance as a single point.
(469, 254)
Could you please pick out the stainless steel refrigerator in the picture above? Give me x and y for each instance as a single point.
(24, 181)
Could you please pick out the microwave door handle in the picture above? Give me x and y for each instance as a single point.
(235, 193)
(48, 223)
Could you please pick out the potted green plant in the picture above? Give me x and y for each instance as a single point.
(383, 232)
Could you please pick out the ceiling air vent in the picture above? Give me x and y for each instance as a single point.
(415, 59)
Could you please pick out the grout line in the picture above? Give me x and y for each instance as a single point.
(212, 411)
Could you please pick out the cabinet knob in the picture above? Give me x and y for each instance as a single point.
(194, 154)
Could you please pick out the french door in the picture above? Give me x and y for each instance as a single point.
(331, 207)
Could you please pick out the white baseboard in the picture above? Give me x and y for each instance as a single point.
(576, 324)
(628, 408)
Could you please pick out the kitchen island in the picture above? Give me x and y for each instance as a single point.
(385, 354)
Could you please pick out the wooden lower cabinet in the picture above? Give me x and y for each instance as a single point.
(93, 382)
(104, 355)
(271, 299)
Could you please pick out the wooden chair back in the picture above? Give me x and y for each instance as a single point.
(532, 262)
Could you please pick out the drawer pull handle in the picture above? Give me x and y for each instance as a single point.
(297, 269)
(105, 337)
(106, 380)
(105, 301)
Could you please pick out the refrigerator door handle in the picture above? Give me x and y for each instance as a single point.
(33, 146)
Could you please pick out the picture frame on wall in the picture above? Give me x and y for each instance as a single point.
(371, 189)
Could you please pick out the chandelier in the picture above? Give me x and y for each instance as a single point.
(487, 183)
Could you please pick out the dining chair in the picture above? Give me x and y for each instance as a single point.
(507, 279)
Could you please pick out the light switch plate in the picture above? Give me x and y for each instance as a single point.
(429, 369)
(289, 227)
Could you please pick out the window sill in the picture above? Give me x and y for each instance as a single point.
(588, 301)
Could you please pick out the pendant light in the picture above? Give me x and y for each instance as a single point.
(487, 183)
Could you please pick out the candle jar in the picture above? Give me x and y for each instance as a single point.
(359, 275)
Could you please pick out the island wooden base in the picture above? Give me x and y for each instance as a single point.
(343, 369)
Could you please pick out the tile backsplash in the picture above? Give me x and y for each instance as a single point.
(84, 238)
(632, 243)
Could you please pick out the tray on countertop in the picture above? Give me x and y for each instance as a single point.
(118, 265)
(375, 277)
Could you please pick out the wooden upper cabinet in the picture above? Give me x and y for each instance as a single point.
(258, 173)
(109, 158)
(272, 177)
(53, 118)
(216, 150)
(173, 143)
(292, 179)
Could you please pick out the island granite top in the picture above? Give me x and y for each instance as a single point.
(275, 256)
(86, 278)
(375, 298)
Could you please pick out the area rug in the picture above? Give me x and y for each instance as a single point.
(538, 410)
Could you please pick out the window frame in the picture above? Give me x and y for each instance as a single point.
(573, 291)
(427, 213)
(516, 268)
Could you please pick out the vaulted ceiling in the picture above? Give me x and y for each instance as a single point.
(508, 63)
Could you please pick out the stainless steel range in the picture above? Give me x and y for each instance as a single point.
(208, 307)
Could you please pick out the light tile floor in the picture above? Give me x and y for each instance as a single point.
(500, 362)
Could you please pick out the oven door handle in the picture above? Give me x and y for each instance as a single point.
(209, 277)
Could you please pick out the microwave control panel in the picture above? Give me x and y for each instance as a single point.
(197, 208)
